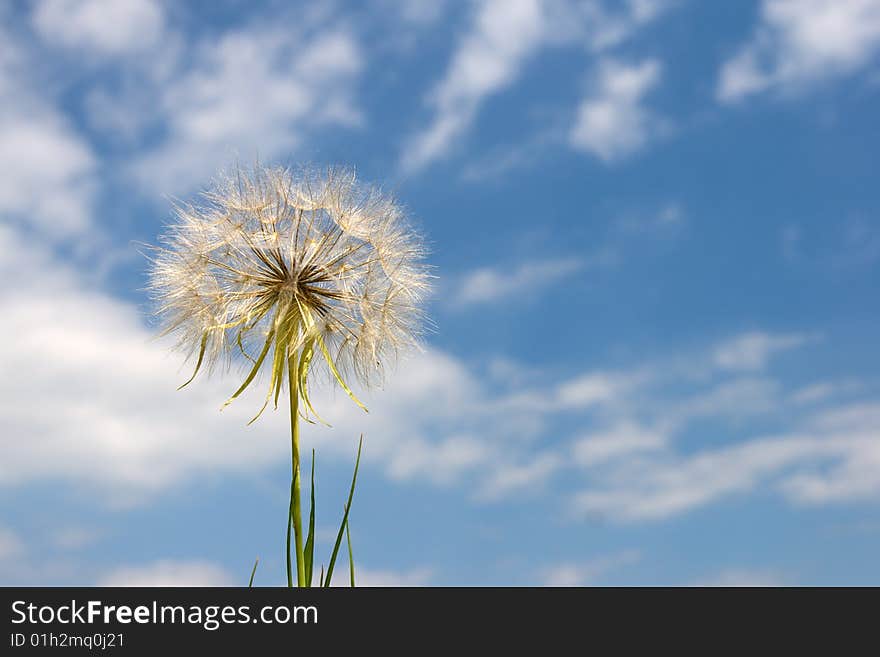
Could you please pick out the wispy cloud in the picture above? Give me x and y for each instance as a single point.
(48, 169)
(503, 36)
(668, 218)
(487, 285)
(104, 27)
(801, 42)
(520, 477)
(494, 284)
(169, 572)
(587, 572)
(304, 77)
(833, 457)
(612, 121)
(751, 351)
(504, 33)
(621, 440)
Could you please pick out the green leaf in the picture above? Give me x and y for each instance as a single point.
(310, 538)
(322, 576)
(350, 555)
(345, 515)
(253, 572)
(289, 527)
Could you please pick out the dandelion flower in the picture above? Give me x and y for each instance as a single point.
(291, 271)
(292, 264)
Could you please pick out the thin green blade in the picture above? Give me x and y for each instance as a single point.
(345, 515)
(289, 527)
(350, 556)
(310, 538)
(253, 572)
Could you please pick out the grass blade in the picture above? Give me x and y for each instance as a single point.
(345, 515)
(350, 556)
(253, 572)
(310, 538)
(322, 576)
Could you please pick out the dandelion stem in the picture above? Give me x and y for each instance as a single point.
(295, 511)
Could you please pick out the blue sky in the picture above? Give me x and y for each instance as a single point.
(656, 232)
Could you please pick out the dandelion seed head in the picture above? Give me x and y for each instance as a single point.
(275, 264)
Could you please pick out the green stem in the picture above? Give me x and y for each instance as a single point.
(295, 511)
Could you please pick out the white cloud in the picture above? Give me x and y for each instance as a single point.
(833, 458)
(739, 398)
(107, 27)
(659, 488)
(612, 121)
(586, 573)
(856, 474)
(801, 42)
(419, 458)
(751, 351)
(621, 440)
(114, 419)
(503, 36)
(492, 284)
(257, 92)
(595, 389)
(48, 169)
(168, 572)
(822, 391)
(826, 454)
(517, 477)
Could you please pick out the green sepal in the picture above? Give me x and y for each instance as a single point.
(202, 348)
(254, 370)
(305, 360)
(336, 374)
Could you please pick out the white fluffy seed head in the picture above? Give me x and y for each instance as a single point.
(274, 259)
